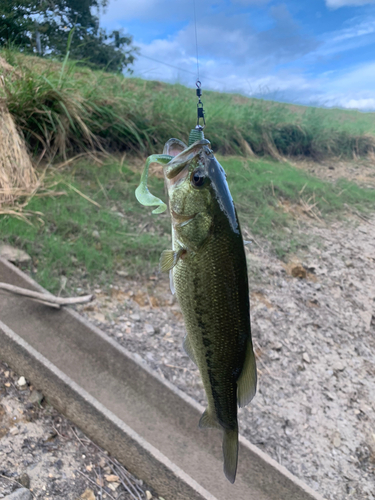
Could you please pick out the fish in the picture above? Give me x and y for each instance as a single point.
(208, 269)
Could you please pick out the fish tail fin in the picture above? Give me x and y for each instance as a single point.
(230, 452)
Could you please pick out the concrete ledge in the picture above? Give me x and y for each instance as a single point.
(144, 421)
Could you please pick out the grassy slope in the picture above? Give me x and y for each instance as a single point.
(82, 240)
(66, 109)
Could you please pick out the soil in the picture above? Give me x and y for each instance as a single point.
(42, 451)
(313, 327)
(360, 170)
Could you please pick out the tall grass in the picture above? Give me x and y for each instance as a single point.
(62, 111)
(88, 242)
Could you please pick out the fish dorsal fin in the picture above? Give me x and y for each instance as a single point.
(208, 421)
(186, 344)
(169, 259)
(247, 381)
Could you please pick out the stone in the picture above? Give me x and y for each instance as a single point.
(20, 494)
(149, 329)
(338, 366)
(95, 234)
(13, 254)
(306, 357)
(24, 480)
(21, 382)
(88, 494)
(35, 397)
(336, 440)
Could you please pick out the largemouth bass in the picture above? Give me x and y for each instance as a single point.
(209, 274)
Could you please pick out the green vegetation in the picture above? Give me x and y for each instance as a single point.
(65, 109)
(48, 28)
(269, 195)
(81, 240)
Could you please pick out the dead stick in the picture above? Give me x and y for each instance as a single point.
(45, 297)
(93, 482)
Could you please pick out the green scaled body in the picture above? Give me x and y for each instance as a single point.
(209, 273)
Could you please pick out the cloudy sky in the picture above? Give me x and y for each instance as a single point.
(318, 52)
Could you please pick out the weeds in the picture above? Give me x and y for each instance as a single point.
(87, 238)
(67, 111)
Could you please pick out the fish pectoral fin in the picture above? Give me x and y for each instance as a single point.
(247, 381)
(169, 259)
(230, 453)
(189, 349)
(208, 421)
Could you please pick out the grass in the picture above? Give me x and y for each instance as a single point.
(62, 110)
(66, 109)
(79, 239)
(269, 195)
(87, 243)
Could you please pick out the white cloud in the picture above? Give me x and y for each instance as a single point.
(235, 56)
(336, 4)
(361, 104)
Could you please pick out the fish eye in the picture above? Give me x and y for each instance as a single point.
(198, 178)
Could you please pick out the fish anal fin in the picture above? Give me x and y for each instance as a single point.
(230, 453)
(189, 349)
(169, 259)
(208, 421)
(247, 381)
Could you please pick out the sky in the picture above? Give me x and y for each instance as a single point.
(312, 52)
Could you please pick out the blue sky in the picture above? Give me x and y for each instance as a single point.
(315, 52)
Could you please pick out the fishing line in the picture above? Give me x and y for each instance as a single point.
(182, 69)
(196, 40)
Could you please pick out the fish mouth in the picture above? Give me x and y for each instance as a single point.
(182, 220)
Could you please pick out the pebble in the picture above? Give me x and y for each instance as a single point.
(331, 395)
(13, 254)
(135, 317)
(36, 397)
(339, 366)
(95, 234)
(24, 480)
(21, 382)
(337, 440)
(306, 357)
(20, 494)
(149, 329)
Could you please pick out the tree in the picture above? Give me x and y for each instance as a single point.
(43, 26)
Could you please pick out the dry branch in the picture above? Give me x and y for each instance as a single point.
(46, 298)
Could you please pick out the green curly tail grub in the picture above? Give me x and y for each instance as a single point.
(142, 193)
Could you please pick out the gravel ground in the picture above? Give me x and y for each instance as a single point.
(313, 328)
(42, 451)
(314, 337)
